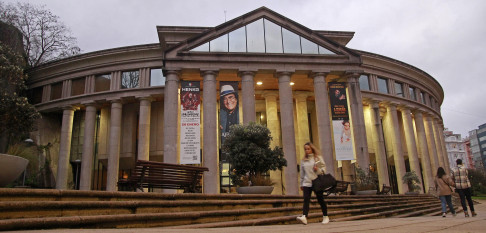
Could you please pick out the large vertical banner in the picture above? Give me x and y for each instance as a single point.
(343, 142)
(229, 110)
(190, 120)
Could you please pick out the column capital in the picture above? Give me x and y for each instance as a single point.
(206, 71)
(280, 73)
(270, 94)
(114, 100)
(301, 95)
(318, 73)
(147, 97)
(176, 71)
(243, 72)
(69, 107)
(352, 75)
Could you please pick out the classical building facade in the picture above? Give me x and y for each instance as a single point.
(104, 110)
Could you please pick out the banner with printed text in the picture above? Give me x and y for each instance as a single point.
(343, 140)
(190, 140)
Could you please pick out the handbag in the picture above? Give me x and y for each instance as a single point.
(324, 183)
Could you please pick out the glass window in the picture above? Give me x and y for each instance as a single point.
(431, 101)
(399, 89)
(291, 42)
(35, 95)
(382, 85)
(130, 79)
(157, 78)
(323, 50)
(308, 47)
(56, 91)
(255, 37)
(422, 97)
(202, 48)
(412, 93)
(77, 86)
(237, 40)
(364, 83)
(102, 82)
(219, 44)
(273, 37)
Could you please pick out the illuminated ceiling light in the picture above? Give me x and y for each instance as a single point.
(292, 83)
(259, 83)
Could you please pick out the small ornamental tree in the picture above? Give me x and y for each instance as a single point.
(412, 181)
(249, 153)
(17, 116)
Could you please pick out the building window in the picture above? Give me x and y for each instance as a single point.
(382, 85)
(130, 79)
(364, 83)
(157, 78)
(56, 91)
(399, 89)
(77, 86)
(35, 95)
(412, 93)
(102, 82)
(262, 36)
(422, 97)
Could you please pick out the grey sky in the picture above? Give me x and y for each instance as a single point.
(445, 38)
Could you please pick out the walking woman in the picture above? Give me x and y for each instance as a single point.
(311, 165)
(443, 182)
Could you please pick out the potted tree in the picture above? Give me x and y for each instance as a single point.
(366, 181)
(412, 181)
(250, 156)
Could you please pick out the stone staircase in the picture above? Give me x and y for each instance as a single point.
(22, 209)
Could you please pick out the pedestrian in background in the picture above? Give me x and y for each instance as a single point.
(463, 187)
(443, 185)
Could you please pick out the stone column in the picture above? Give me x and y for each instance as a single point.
(324, 120)
(444, 149)
(424, 151)
(144, 128)
(288, 138)
(357, 118)
(302, 122)
(248, 91)
(88, 147)
(379, 144)
(273, 125)
(114, 145)
(429, 133)
(411, 144)
(210, 140)
(397, 147)
(65, 148)
(438, 144)
(171, 108)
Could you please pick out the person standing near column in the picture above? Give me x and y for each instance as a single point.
(463, 187)
(311, 165)
(442, 184)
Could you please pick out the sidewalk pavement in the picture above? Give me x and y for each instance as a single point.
(413, 224)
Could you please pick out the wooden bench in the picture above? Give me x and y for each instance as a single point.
(341, 188)
(151, 174)
(384, 190)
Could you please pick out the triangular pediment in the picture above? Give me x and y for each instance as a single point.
(260, 31)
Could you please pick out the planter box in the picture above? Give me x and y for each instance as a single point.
(11, 167)
(255, 190)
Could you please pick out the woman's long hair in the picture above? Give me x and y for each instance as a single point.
(440, 172)
(313, 148)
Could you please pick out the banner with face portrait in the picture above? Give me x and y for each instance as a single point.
(343, 140)
(190, 141)
(229, 108)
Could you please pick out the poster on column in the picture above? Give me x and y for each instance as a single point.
(190, 146)
(229, 109)
(343, 140)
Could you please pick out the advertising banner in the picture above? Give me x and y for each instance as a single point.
(343, 140)
(229, 108)
(190, 123)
